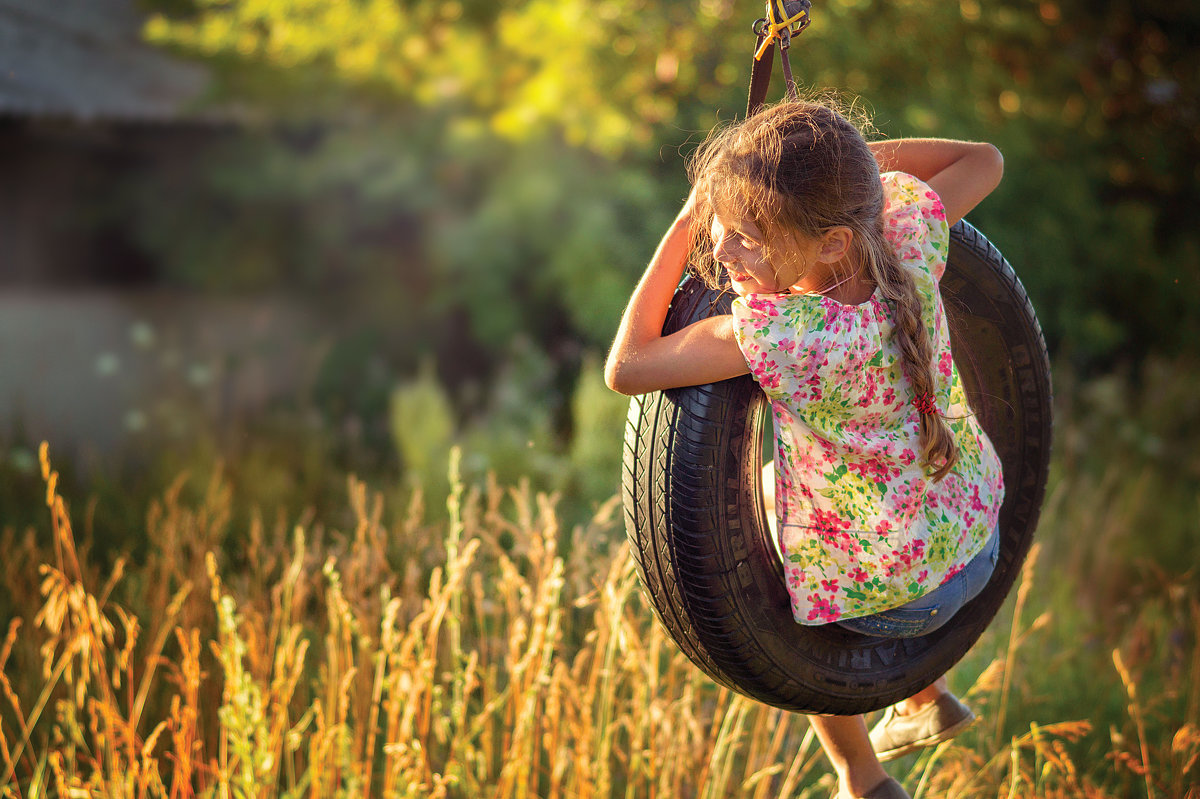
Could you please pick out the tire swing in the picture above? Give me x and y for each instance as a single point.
(694, 511)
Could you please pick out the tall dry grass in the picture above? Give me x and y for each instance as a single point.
(491, 656)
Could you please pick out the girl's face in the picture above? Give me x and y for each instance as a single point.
(738, 247)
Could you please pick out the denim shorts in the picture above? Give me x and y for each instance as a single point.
(927, 613)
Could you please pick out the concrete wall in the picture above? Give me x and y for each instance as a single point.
(96, 369)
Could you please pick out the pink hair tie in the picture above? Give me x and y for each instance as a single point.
(925, 404)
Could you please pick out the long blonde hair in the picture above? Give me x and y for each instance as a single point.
(803, 167)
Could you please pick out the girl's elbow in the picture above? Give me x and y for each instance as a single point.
(617, 378)
(994, 161)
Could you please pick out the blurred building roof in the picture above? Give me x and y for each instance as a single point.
(86, 60)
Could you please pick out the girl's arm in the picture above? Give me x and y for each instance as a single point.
(962, 173)
(641, 358)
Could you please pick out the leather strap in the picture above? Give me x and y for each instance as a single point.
(780, 15)
(760, 77)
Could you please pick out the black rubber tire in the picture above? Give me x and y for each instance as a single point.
(695, 516)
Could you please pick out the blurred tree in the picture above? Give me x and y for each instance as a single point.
(512, 163)
(604, 74)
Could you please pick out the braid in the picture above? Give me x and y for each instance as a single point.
(939, 452)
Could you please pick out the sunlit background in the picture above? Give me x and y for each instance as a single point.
(290, 241)
(219, 210)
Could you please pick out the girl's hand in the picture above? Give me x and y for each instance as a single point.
(962, 173)
(688, 212)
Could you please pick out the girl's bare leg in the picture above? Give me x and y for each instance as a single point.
(845, 741)
(768, 491)
(923, 697)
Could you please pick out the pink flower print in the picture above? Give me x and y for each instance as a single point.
(918, 549)
(922, 575)
(884, 527)
(878, 470)
(839, 540)
(889, 396)
(858, 574)
(945, 363)
(868, 396)
(828, 520)
(769, 379)
(907, 456)
(976, 503)
(786, 345)
(822, 609)
(762, 305)
(937, 210)
(830, 585)
(906, 507)
(761, 366)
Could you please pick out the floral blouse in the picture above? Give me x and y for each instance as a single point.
(861, 527)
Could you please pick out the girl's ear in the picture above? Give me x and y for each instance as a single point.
(835, 244)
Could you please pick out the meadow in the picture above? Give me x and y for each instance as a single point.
(473, 644)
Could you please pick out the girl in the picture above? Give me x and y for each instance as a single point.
(886, 490)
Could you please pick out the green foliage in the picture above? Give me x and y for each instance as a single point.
(422, 424)
(513, 152)
(598, 416)
(1132, 441)
(514, 433)
(550, 246)
(519, 68)
(281, 209)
